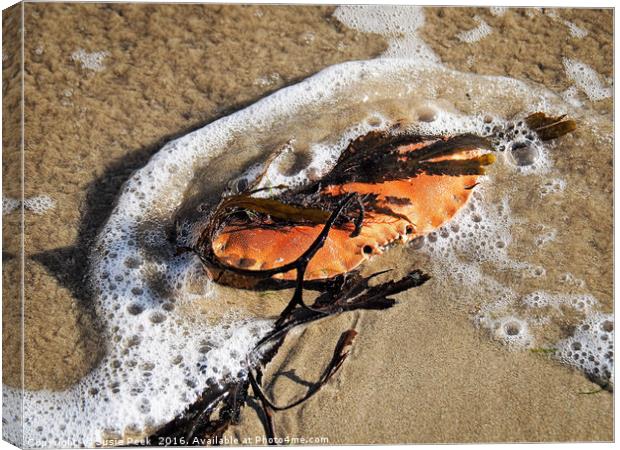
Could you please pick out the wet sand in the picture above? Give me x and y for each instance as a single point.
(419, 372)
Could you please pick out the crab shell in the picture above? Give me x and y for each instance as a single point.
(421, 203)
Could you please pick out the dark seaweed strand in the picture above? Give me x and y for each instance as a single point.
(362, 151)
(340, 354)
(361, 162)
(354, 293)
(474, 166)
(354, 212)
(450, 146)
(550, 127)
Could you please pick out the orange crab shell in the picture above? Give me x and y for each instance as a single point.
(422, 204)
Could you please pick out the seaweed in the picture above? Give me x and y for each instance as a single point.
(360, 162)
(276, 209)
(550, 127)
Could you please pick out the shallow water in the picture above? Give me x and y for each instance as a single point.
(523, 258)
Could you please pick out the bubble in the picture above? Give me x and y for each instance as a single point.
(498, 10)
(426, 114)
(546, 237)
(90, 61)
(417, 243)
(512, 328)
(524, 154)
(9, 205)
(157, 317)
(570, 280)
(133, 262)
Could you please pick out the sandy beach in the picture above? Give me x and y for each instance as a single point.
(106, 85)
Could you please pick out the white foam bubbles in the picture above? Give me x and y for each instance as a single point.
(587, 79)
(552, 186)
(571, 96)
(575, 31)
(483, 232)
(481, 31)
(502, 324)
(399, 25)
(547, 235)
(38, 204)
(541, 299)
(9, 205)
(498, 10)
(512, 331)
(591, 348)
(90, 61)
(569, 279)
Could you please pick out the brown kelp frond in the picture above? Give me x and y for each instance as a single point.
(451, 146)
(205, 421)
(375, 140)
(458, 167)
(360, 205)
(352, 291)
(275, 208)
(550, 127)
(362, 163)
(345, 293)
